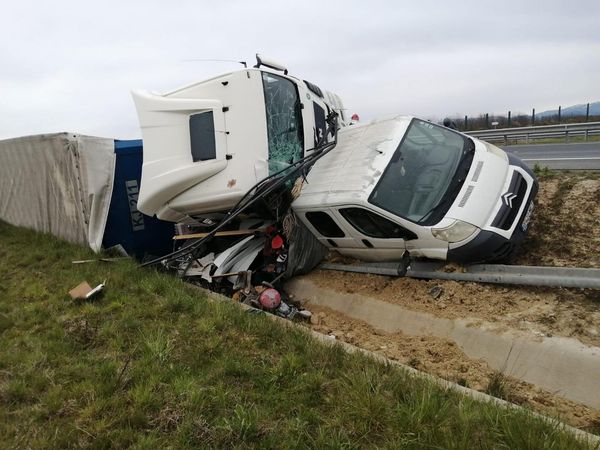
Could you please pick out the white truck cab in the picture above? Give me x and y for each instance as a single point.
(208, 143)
(407, 184)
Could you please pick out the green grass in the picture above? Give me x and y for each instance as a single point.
(154, 364)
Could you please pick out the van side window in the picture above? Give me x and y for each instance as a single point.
(320, 124)
(324, 224)
(374, 225)
(202, 136)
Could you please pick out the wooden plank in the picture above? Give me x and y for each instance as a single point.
(218, 233)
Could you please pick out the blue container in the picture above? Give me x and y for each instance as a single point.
(138, 233)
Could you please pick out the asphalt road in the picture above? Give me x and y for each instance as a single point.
(559, 156)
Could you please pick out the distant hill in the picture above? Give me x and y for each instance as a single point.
(575, 110)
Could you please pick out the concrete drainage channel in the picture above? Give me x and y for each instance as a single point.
(560, 365)
(301, 284)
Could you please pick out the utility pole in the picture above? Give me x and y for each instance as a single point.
(466, 123)
(509, 119)
(559, 108)
(533, 117)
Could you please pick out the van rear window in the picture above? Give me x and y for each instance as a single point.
(202, 136)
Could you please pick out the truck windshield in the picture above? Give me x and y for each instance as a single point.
(284, 121)
(424, 174)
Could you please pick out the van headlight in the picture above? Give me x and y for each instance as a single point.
(456, 232)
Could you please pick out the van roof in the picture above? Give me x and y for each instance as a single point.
(349, 173)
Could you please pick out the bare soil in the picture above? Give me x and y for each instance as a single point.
(565, 231)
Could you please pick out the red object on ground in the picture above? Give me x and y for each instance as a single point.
(276, 242)
(270, 298)
(355, 118)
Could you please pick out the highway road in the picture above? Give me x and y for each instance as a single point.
(585, 155)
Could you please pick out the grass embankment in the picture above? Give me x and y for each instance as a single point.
(153, 364)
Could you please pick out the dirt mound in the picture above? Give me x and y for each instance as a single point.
(565, 230)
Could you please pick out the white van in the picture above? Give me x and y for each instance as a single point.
(408, 184)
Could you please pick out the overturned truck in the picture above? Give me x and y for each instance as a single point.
(268, 164)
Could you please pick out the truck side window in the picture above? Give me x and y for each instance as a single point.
(284, 121)
(320, 125)
(374, 225)
(202, 136)
(324, 224)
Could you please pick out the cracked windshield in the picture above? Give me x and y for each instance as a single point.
(284, 122)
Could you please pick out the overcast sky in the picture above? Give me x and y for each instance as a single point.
(70, 65)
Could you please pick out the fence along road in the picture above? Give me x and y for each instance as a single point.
(583, 156)
(560, 156)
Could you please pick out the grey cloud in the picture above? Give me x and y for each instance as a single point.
(71, 65)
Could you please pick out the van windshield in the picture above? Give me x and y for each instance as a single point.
(425, 173)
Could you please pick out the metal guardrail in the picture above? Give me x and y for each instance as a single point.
(528, 134)
(573, 277)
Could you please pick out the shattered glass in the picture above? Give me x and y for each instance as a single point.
(284, 122)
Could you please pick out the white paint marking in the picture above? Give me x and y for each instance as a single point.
(559, 159)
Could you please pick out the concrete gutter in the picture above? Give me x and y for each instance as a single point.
(562, 366)
(588, 438)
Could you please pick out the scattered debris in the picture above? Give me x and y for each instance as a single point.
(118, 250)
(436, 291)
(84, 291)
(85, 261)
(250, 263)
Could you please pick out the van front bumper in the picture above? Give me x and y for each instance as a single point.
(488, 246)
